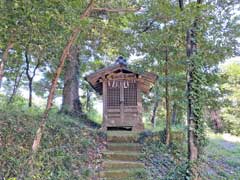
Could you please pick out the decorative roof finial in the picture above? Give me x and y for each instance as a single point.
(120, 60)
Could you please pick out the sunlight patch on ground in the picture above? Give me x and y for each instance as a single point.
(224, 136)
(231, 138)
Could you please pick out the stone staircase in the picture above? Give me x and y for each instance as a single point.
(121, 159)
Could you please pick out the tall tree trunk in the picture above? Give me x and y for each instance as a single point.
(192, 117)
(153, 118)
(193, 149)
(71, 103)
(191, 48)
(4, 59)
(168, 121)
(174, 113)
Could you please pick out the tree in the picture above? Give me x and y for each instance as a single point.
(193, 95)
(168, 120)
(71, 102)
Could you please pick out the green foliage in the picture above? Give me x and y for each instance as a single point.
(197, 96)
(230, 88)
(94, 116)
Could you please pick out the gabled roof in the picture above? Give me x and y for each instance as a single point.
(95, 79)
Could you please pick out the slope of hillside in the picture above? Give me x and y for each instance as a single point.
(70, 148)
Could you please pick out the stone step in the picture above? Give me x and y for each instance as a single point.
(122, 156)
(122, 137)
(124, 147)
(109, 165)
(121, 174)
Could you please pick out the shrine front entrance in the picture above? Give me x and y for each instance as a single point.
(121, 104)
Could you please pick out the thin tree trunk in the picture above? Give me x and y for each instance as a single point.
(30, 93)
(4, 59)
(153, 118)
(174, 113)
(16, 85)
(168, 121)
(88, 100)
(71, 103)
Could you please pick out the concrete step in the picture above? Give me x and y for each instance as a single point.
(121, 174)
(122, 137)
(122, 156)
(124, 147)
(110, 165)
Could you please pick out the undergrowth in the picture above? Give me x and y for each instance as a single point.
(162, 162)
(70, 149)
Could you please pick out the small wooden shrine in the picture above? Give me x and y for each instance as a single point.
(121, 89)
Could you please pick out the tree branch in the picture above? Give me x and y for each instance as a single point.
(88, 10)
(27, 63)
(116, 10)
(36, 67)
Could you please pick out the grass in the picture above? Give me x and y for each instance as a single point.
(222, 157)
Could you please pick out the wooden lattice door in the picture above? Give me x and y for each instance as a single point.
(113, 101)
(121, 101)
(130, 110)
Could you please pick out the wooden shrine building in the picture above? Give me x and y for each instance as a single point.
(121, 89)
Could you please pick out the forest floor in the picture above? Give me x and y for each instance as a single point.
(222, 157)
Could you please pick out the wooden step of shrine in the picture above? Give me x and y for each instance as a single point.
(122, 157)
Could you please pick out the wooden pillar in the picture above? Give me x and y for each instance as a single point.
(121, 102)
(140, 125)
(104, 97)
